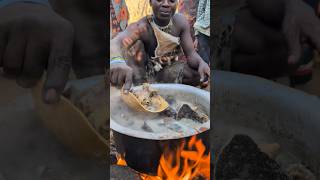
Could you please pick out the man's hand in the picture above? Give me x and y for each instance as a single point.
(299, 21)
(33, 38)
(121, 75)
(204, 71)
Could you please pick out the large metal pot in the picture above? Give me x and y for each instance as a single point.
(143, 149)
(257, 107)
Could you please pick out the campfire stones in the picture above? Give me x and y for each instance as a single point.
(187, 112)
(242, 159)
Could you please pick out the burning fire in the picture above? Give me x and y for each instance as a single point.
(121, 161)
(188, 162)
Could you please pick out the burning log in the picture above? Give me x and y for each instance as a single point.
(242, 159)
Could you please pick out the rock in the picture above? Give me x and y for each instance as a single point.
(122, 173)
(242, 159)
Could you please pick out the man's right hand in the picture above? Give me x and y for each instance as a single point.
(33, 38)
(121, 75)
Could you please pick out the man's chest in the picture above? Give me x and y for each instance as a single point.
(152, 39)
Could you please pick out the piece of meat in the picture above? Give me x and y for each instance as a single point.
(187, 112)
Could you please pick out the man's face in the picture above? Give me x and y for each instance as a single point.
(164, 9)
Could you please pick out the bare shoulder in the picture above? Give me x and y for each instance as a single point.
(142, 23)
(140, 28)
(180, 21)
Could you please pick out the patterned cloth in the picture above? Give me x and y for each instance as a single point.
(202, 23)
(119, 17)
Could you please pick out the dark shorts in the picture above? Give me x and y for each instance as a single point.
(204, 47)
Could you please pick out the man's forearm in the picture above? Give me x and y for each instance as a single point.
(194, 60)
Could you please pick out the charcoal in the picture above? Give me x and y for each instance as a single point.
(242, 159)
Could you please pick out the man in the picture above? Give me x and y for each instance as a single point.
(202, 30)
(263, 37)
(161, 34)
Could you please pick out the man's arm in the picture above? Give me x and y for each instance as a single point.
(194, 60)
(187, 44)
(120, 49)
(295, 18)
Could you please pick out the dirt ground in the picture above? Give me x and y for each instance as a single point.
(28, 151)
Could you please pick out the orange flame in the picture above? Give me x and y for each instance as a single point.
(187, 163)
(121, 161)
